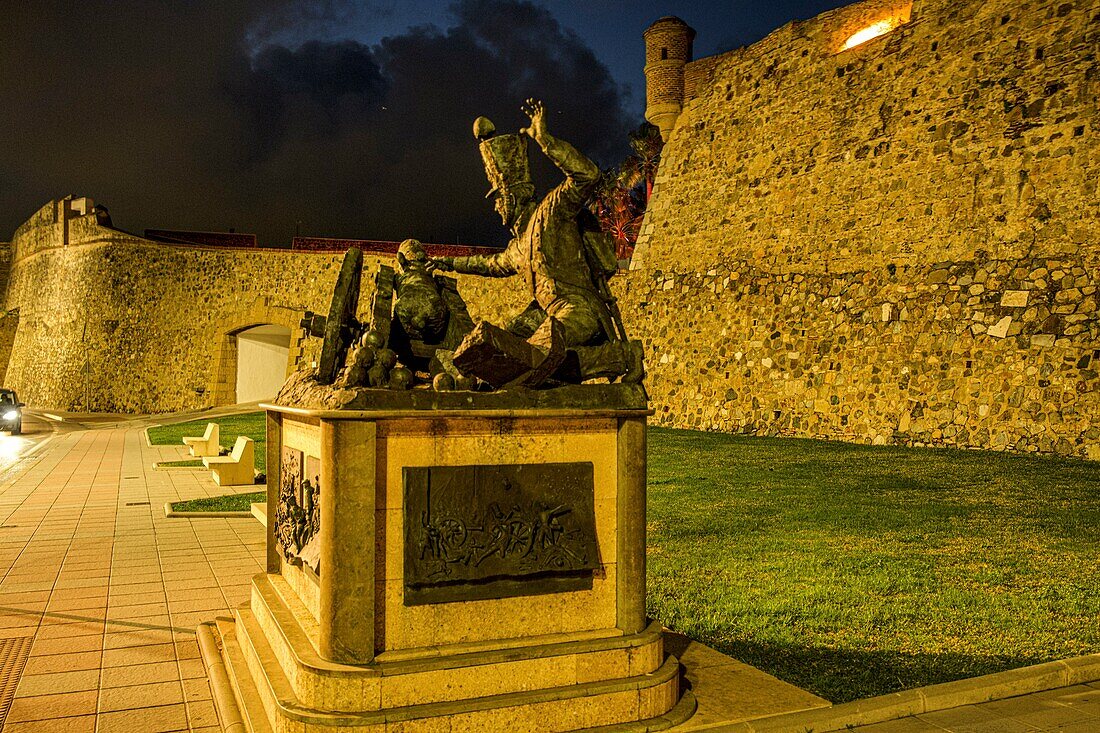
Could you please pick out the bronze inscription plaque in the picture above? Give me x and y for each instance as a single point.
(479, 532)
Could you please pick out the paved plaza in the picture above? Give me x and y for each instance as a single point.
(108, 591)
(101, 594)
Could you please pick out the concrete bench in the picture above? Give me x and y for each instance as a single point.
(237, 468)
(208, 444)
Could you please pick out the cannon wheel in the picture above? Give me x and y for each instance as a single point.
(341, 317)
(381, 305)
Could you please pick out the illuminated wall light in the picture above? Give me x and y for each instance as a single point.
(880, 28)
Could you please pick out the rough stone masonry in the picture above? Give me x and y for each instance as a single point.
(895, 243)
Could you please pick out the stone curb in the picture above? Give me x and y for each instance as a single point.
(38, 448)
(229, 714)
(160, 467)
(972, 691)
(258, 510)
(203, 515)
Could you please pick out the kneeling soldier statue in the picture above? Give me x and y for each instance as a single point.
(571, 331)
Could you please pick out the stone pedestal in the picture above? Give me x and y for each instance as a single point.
(452, 562)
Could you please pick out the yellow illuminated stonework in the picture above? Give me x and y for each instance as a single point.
(875, 30)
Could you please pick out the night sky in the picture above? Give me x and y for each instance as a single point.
(332, 118)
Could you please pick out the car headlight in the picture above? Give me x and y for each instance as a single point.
(11, 414)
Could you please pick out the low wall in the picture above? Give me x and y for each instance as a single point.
(111, 322)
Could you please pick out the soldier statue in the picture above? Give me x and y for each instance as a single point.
(555, 251)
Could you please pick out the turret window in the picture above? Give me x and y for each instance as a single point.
(664, 54)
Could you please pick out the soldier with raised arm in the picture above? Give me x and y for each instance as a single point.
(548, 248)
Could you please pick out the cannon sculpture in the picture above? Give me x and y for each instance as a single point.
(416, 320)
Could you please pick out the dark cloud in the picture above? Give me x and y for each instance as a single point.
(175, 115)
(317, 91)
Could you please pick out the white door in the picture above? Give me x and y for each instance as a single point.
(262, 353)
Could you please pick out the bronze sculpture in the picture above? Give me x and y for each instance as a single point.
(565, 265)
(418, 330)
(419, 304)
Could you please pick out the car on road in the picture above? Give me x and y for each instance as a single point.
(11, 412)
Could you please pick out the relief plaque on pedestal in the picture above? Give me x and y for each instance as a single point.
(298, 514)
(496, 531)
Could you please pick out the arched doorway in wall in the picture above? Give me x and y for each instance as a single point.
(262, 356)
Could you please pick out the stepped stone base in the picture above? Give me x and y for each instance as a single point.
(439, 567)
(278, 682)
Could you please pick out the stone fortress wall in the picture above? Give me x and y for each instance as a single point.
(102, 320)
(7, 324)
(896, 243)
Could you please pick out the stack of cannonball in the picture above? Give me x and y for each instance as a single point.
(370, 364)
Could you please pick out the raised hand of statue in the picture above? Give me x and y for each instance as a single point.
(534, 109)
(443, 264)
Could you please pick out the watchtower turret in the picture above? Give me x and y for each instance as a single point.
(667, 52)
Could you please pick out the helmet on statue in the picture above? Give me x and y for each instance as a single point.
(505, 158)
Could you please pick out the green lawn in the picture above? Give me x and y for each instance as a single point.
(855, 571)
(228, 503)
(251, 424)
